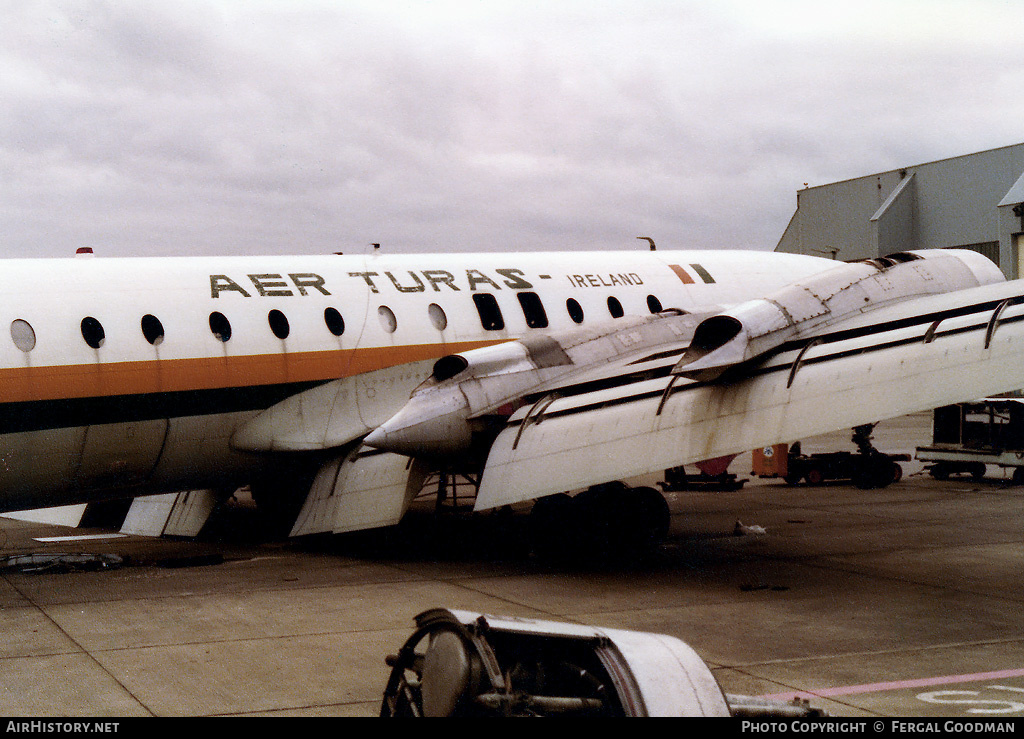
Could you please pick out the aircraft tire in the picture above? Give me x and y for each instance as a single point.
(599, 511)
(876, 472)
(654, 514)
(602, 524)
(550, 517)
(622, 523)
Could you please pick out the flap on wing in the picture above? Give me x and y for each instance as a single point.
(192, 509)
(148, 515)
(907, 362)
(66, 515)
(363, 489)
(170, 514)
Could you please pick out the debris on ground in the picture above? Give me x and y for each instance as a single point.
(58, 562)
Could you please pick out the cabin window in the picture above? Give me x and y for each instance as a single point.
(437, 316)
(533, 310)
(220, 326)
(653, 304)
(335, 323)
(278, 323)
(152, 329)
(92, 332)
(23, 335)
(490, 313)
(387, 319)
(575, 310)
(615, 307)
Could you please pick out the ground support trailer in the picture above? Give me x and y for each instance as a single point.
(967, 437)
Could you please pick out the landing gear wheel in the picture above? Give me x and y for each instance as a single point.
(877, 472)
(604, 523)
(862, 478)
(599, 511)
(646, 519)
(547, 526)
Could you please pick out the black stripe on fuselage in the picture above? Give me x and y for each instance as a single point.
(40, 415)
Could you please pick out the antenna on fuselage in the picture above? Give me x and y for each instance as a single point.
(649, 240)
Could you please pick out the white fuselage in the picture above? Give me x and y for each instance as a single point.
(117, 378)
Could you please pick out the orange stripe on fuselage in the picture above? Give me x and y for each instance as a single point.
(20, 384)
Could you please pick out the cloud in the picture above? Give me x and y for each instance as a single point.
(311, 127)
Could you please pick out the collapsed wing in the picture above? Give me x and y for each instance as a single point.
(914, 357)
(562, 411)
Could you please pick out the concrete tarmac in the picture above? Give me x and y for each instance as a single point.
(904, 601)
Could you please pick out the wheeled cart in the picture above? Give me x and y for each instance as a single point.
(967, 437)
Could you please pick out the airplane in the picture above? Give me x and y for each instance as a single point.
(335, 385)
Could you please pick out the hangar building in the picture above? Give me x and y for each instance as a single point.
(968, 202)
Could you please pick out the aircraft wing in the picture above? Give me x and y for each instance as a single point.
(561, 411)
(912, 356)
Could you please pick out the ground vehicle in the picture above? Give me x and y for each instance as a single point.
(968, 436)
(867, 467)
(873, 470)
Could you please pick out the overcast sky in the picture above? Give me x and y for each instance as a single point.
(293, 127)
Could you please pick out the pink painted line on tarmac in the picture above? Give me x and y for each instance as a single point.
(923, 682)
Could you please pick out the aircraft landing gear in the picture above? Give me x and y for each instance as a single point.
(609, 521)
(877, 471)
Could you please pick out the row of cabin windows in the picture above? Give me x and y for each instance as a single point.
(487, 307)
(533, 309)
(24, 336)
